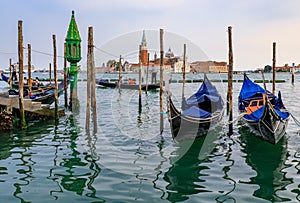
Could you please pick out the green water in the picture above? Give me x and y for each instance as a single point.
(127, 160)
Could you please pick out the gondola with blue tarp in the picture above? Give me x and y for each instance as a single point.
(200, 113)
(263, 111)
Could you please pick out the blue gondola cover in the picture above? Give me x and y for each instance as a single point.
(202, 103)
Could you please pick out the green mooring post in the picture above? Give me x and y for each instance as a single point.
(73, 55)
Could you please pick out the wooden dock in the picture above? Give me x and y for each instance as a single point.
(31, 108)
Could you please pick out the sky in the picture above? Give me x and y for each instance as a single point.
(203, 24)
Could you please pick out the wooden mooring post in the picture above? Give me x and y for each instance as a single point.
(140, 80)
(21, 62)
(50, 72)
(147, 73)
(10, 64)
(91, 83)
(183, 70)
(88, 89)
(29, 80)
(161, 33)
(65, 77)
(230, 75)
(10, 81)
(274, 67)
(293, 73)
(55, 77)
(93, 78)
(120, 67)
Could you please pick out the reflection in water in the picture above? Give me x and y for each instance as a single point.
(297, 190)
(158, 169)
(226, 169)
(71, 179)
(76, 177)
(184, 175)
(268, 162)
(17, 148)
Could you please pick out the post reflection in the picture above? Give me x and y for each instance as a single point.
(80, 170)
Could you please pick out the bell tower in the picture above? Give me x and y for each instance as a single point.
(144, 50)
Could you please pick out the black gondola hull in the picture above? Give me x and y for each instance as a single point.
(184, 127)
(271, 127)
(127, 86)
(45, 96)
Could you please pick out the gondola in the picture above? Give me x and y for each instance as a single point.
(263, 111)
(44, 95)
(201, 112)
(15, 84)
(105, 83)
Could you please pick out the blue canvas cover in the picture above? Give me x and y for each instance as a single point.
(205, 101)
(198, 99)
(256, 115)
(196, 112)
(252, 90)
(249, 89)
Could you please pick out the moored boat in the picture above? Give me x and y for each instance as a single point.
(15, 84)
(44, 95)
(106, 83)
(201, 112)
(263, 111)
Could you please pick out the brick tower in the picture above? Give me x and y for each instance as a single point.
(144, 50)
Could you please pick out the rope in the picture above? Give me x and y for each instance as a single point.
(237, 119)
(44, 53)
(296, 120)
(106, 52)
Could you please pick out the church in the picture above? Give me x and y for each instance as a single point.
(174, 63)
(171, 62)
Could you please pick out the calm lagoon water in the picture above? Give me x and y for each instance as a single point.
(127, 160)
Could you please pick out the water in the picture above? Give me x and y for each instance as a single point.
(127, 160)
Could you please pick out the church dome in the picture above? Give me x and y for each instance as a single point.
(169, 54)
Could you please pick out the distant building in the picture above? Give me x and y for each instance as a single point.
(285, 68)
(102, 69)
(209, 67)
(25, 67)
(171, 62)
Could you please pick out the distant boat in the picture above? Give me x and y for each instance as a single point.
(201, 112)
(105, 83)
(262, 111)
(15, 84)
